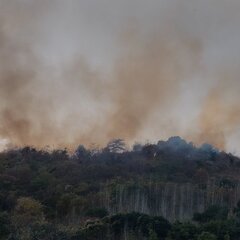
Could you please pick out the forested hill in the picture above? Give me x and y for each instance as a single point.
(58, 190)
(174, 160)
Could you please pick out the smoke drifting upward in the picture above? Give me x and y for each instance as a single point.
(147, 78)
(220, 113)
(35, 100)
(137, 83)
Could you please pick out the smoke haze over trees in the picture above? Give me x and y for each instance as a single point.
(87, 89)
(85, 72)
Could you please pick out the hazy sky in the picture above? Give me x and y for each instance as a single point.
(86, 71)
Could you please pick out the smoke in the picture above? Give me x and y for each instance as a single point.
(138, 83)
(40, 105)
(147, 78)
(219, 117)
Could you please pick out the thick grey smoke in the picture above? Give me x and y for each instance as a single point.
(76, 72)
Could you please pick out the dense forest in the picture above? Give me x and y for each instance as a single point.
(92, 194)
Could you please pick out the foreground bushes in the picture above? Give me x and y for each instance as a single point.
(131, 226)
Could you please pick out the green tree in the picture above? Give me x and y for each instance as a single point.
(227, 237)
(152, 235)
(4, 225)
(46, 231)
(116, 146)
(27, 212)
(183, 231)
(207, 236)
(212, 213)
